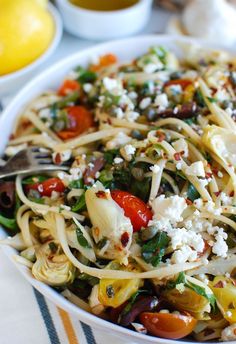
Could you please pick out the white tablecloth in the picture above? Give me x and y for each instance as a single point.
(25, 316)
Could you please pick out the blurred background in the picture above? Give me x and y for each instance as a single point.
(35, 34)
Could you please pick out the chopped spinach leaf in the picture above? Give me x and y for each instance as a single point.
(212, 100)
(8, 223)
(153, 250)
(76, 184)
(192, 193)
(85, 76)
(34, 180)
(81, 239)
(80, 204)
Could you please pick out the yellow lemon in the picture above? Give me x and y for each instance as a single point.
(26, 31)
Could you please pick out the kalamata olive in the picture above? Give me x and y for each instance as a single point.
(148, 233)
(7, 195)
(143, 304)
(151, 114)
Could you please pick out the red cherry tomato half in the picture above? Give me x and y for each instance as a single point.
(168, 325)
(47, 187)
(182, 82)
(134, 208)
(80, 120)
(68, 86)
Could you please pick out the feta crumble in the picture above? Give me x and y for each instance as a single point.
(196, 169)
(181, 146)
(170, 208)
(145, 102)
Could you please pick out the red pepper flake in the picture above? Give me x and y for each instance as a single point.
(214, 90)
(231, 194)
(217, 193)
(215, 171)
(220, 284)
(188, 201)
(160, 135)
(209, 174)
(101, 194)
(124, 239)
(57, 159)
(182, 153)
(177, 156)
(109, 121)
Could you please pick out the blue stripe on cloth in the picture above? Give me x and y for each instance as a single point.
(52, 333)
(88, 333)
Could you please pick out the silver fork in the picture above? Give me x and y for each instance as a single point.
(29, 160)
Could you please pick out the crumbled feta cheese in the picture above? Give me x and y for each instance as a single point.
(203, 182)
(161, 100)
(133, 95)
(110, 84)
(229, 333)
(181, 146)
(119, 113)
(118, 160)
(155, 168)
(45, 113)
(226, 200)
(211, 208)
(129, 149)
(145, 102)
(175, 89)
(198, 203)
(87, 87)
(131, 116)
(184, 254)
(180, 287)
(220, 247)
(170, 207)
(229, 111)
(119, 140)
(195, 169)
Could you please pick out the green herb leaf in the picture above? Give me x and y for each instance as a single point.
(153, 250)
(180, 279)
(212, 100)
(76, 184)
(34, 180)
(201, 291)
(160, 52)
(199, 98)
(81, 239)
(36, 200)
(110, 155)
(85, 75)
(8, 223)
(80, 204)
(192, 193)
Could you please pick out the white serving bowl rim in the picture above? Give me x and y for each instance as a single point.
(18, 103)
(43, 57)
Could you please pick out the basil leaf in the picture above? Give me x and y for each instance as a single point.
(8, 223)
(153, 251)
(76, 184)
(192, 193)
(110, 155)
(212, 100)
(180, 279)
(81, 239)
(85, 75)
(199, 98)
(80, 204)
(201, 291)
(34, 180)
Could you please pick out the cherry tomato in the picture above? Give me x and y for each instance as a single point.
(134, 208)
(47, 187)
(68, 86)
(182, 82)
(168, 325)
(80, 120)
(104, 61)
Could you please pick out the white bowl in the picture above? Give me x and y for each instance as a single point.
(12, 81)
(104, 25)
(51, 78)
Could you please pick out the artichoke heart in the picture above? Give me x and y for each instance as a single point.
(109, 223)
(222, 142)
(52, 266)
(186, 299)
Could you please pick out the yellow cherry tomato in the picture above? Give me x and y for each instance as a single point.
(114, 292)
(225, 293)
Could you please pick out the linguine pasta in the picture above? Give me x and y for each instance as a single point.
(141, 229)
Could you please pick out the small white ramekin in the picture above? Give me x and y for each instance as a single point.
(12, 82)
(104, 25)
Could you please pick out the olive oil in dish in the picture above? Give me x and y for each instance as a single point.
(104, 5)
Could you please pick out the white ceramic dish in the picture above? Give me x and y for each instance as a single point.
(125, 50)
(104, 25)
(13, 81)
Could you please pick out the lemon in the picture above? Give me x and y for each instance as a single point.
(26, 31)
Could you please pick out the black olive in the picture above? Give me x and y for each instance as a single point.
(151, 114)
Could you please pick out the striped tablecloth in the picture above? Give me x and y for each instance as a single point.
(26, 317)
